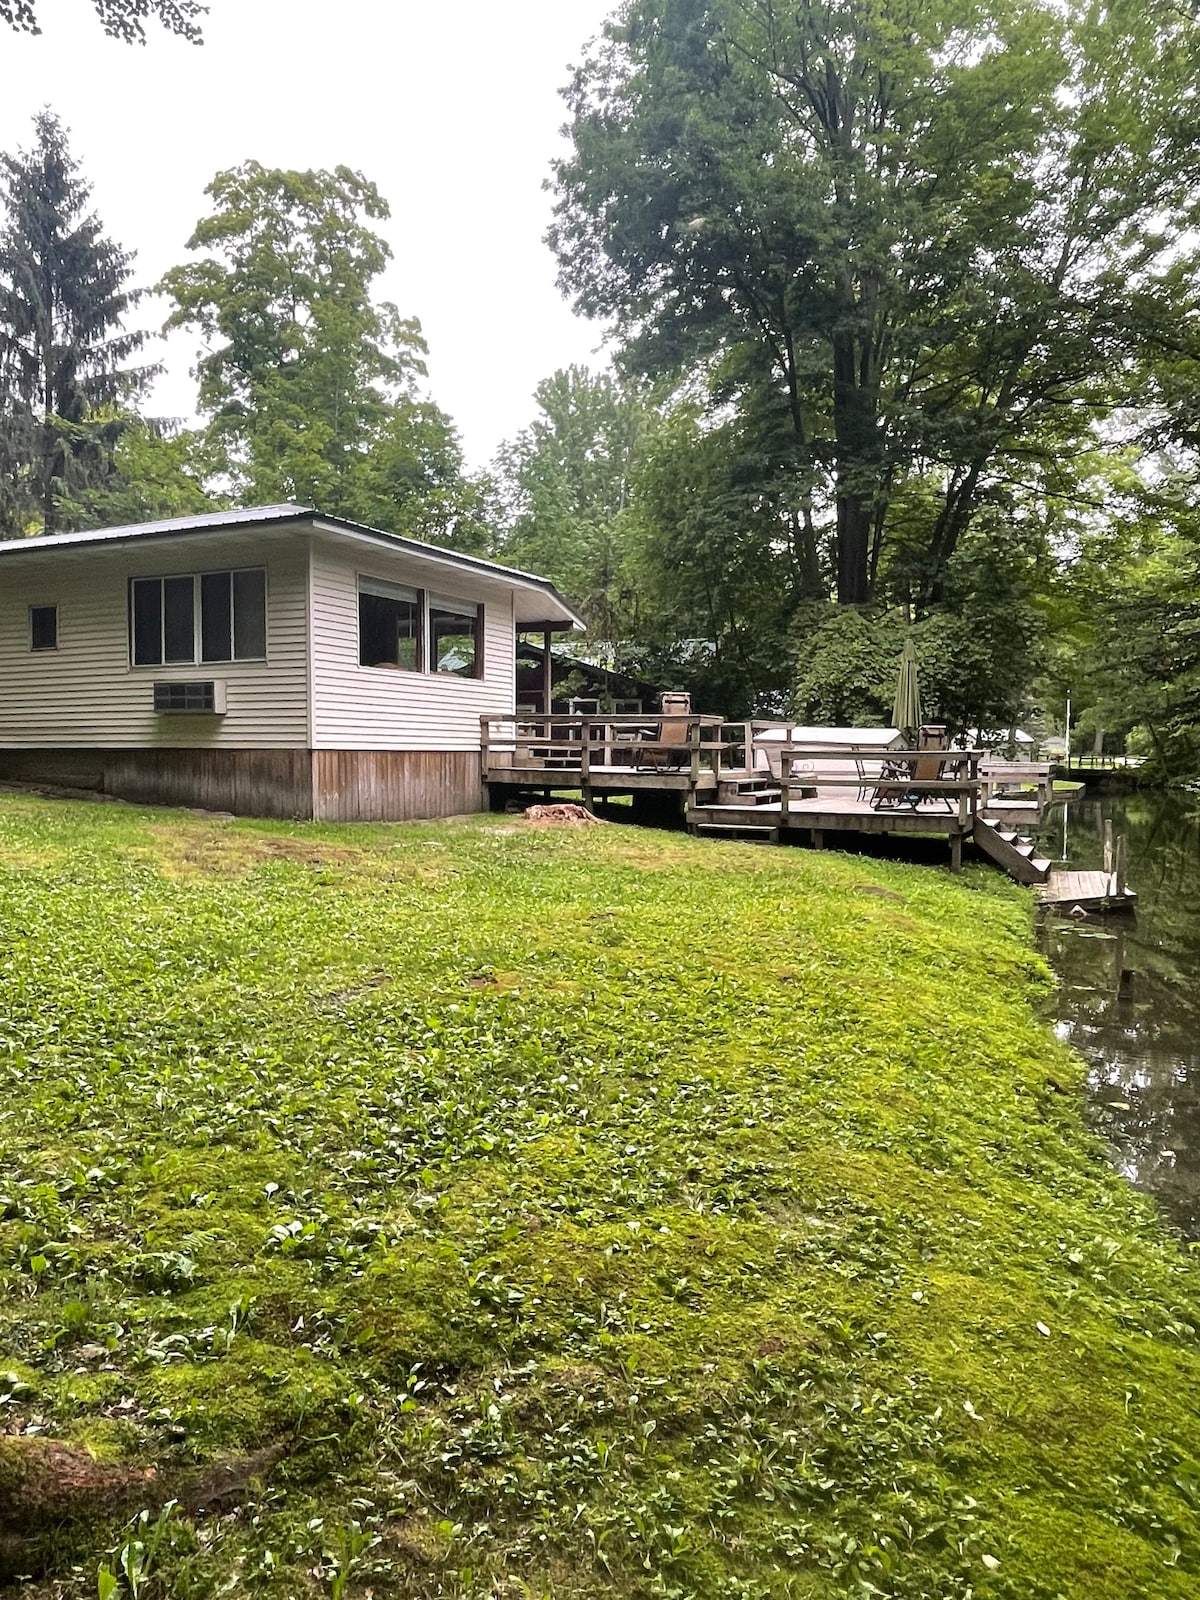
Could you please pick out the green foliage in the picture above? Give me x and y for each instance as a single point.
(156, 473)
(123, 19)
(718, 567)
(977, 653)
(65, 378)
(311, 389)
(928, 244)
(600, 1212)
(563, 490)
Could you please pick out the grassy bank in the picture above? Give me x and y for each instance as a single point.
(480, 1210)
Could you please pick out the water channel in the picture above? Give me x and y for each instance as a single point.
(1129, 989)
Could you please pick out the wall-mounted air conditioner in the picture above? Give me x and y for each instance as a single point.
(205, 696)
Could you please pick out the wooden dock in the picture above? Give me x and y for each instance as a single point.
(1089, 891)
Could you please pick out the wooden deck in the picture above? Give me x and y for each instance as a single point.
(747, 779)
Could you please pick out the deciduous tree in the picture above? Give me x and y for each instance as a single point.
(931, 233)
(124, 19)
(312, 389)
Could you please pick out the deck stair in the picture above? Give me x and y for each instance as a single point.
(751, 790)
(1010, 850)
(743, 832)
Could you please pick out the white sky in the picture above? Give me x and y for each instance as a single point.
(452, 109)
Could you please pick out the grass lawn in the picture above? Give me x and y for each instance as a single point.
(482, 1210)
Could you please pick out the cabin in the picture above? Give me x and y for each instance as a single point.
(269, 662)
(577, 685)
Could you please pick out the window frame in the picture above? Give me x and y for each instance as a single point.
(45, 649)
(453, 607)
(369, 582)
(363, 582)
(197, 658)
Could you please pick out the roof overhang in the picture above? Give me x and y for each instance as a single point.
(538, 606)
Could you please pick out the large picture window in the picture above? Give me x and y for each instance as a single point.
(222, 613)
(454, 637)
(390, 625)
(403, 627)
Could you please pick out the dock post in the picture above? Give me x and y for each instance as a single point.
(956, 840)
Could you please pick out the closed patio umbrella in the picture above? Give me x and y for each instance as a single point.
(906, 708)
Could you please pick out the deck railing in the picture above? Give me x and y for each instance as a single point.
(888, 777)
(595, 748)
(562, 742)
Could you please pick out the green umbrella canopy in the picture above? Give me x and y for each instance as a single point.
(906, 708)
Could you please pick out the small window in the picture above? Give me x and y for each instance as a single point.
(389, 625)
(454, 637)
(43, 627)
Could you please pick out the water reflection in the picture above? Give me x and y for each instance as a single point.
(1129, 994)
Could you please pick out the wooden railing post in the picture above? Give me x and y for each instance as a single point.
(484, 732)
(785, 782)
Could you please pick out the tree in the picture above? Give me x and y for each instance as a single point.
(564, 487)
(932, 234)
(310, 388)
(156, 471)
(65, 378)
(123, 19)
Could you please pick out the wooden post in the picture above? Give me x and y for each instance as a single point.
(547, 676)
(1120, 865)
(956, 840)
(785, 777)
(484, 728)
(1108, 844)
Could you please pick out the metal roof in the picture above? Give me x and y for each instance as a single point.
(258, 516)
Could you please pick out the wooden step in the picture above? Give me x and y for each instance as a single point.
(1018, 856)
(747, 832)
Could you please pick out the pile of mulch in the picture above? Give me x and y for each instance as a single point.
(559, 816)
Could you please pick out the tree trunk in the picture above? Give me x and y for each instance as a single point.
(854, 427)
(854, 524)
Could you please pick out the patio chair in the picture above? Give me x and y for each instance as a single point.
(901, 779)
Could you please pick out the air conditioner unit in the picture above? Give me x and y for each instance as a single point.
(205, 696)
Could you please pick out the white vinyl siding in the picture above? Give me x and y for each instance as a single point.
(86, 695)
(376, 708)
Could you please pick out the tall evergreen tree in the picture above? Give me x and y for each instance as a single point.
(65, 373)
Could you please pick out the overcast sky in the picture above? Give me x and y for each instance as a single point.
(452, 109)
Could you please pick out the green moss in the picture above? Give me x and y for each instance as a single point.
(586, 1211)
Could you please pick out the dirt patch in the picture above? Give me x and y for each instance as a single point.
(878, 892)
(44, 1482)
(559, 816)
(185, 852)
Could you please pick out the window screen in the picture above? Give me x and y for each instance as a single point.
(145, 620)
(250, 615)
(43, 627)
(454, 636)
(389, 625)
(179, 619)
(232, 620)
